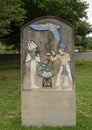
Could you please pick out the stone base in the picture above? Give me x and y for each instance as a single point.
(49, 108)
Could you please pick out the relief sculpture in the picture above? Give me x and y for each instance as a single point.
(53, 71)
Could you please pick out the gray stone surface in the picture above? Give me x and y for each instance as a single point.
(48, 108)
(48, 105)
(86, 56)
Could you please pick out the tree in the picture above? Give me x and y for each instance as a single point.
(12, 41)
(69, 10)
(89, 43)
(12, 16)
(78, 39)
(83, 29)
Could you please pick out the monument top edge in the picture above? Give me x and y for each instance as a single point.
(47, 17)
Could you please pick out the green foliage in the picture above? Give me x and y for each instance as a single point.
(84, 43)
(89, 43)
(8, 50)
(69, 10)
(12, 42)
(78, 39)
(82, 29)
(2, 49)
(79, 48)
(12, 15)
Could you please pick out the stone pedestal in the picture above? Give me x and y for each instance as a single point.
(48, 108)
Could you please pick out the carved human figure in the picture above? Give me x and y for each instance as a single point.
(32, 57)
(64, 78)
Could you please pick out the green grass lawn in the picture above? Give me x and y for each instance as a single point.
(10, 98)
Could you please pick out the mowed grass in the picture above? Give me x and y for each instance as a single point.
(10, 98)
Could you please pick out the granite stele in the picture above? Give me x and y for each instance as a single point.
(47, 62)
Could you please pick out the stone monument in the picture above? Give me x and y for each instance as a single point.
(47, 62)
